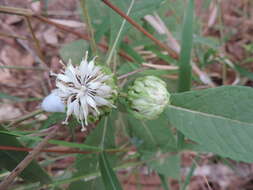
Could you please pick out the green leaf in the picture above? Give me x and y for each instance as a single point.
(164, 182)
(219, 119)
(31, 186)
(74, 51)
(86, 164)
(159, 54)
(167, 164)
(185, 73)
(127, 67)
(109, 178)
(151, 135)
(186, 47)
(107, 22)
(140, 9)
(130, 51)
(154, 139)
(10, 159)
(143, 7)
(244, 72)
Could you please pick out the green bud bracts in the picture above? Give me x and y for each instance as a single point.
(148, 97)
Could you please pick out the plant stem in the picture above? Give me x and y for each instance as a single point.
(222, 41)
(89, 24)
(36, 41)
(13, 36)
(190, 174)
(39, 52)
(112, 49)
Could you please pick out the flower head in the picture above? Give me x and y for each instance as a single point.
(148, 97)
(87, 90)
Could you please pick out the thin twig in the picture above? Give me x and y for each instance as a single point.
(24, 163)
(39, 53)
(16, 11)
(13, 36)
(36, 41)
(162, 67)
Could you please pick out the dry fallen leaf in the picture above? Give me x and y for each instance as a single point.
(35, 6)
(27, 60)
(13, 19)
(8, 112)
(10, 57)
(5, 75)
(50, 37)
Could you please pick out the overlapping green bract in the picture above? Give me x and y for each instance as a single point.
(148, 97)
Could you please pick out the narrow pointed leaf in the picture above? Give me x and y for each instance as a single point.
(110, 179)
(186, 46)
(164, 182)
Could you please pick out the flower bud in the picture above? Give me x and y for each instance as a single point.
(148, 97)
(53, 103)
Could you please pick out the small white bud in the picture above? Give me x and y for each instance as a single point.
(53, 103)
(148, 97)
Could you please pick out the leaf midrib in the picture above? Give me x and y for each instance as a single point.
(107, 170)
(211, 115)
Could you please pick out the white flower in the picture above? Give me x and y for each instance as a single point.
(148, 97)
(84, 89)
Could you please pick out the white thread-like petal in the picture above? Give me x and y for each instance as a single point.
(92, 103)
(83, 90)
